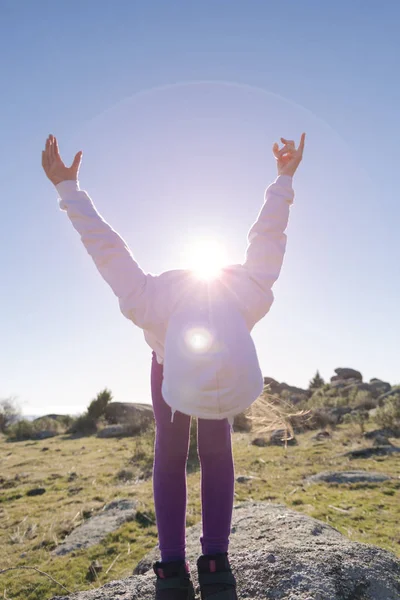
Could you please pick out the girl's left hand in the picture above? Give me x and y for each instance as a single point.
(288, 158)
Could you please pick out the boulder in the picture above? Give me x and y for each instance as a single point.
(296, 394)
(347, 477)
(346, 373)
(384, 450)
(96, 528)
(391, 392)
(277, 438)
(260, 441)
(110, 431)
(379, 387)
(370, 435)
(279, 554)
(242, 423)
(138, 416)
(322, 435)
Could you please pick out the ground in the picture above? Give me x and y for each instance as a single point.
(81, 475)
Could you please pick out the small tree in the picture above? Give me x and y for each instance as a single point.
(97, 407)
(317, 382)
(10, 413)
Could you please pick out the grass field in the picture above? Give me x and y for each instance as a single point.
(81, 475)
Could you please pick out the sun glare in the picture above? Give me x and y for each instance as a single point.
(206, 258)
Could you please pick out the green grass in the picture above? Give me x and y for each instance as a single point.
(82, 475)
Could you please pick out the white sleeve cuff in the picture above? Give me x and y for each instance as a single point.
(285, 181)
(67, 187)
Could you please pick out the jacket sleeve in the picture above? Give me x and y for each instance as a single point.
(112, 257)
(267, 244)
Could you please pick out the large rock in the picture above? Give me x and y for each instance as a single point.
(279, 554)
(138, 416)
(392, 392)
(346, 373)
(96, 528)
(379, 387)
(296, 394)
(117, 430)
(348, 477)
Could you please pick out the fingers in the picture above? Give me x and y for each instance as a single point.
(55, 148)
(45, 161)
(77, 162)
(302, 143)
(287, 142)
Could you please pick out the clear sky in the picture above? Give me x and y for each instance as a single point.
(176, 106)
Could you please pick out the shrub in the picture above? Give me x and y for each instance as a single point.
(388, 415)
(97, 407)
(21, 430)
(84, 424)
(357, 418)
(9, 413)
(317, 382)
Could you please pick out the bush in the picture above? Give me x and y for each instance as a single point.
(9, 413)
(97, 407)
(357, 418)
(84, 424)
(317, 382)
(22, 430)
(388, 415)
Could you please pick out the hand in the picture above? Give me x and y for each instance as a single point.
(53, 165)
(288, 158)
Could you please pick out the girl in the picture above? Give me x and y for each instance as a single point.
(204, 363)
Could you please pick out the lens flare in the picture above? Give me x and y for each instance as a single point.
(206, 258)
(199, 339)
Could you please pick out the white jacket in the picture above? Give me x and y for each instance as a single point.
(199, 329)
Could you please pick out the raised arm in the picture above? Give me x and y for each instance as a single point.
(111, 255)
(267, 238)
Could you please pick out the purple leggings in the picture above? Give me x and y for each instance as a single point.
(169, 477)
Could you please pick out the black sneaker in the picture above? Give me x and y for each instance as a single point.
(173, 581)
(216, 579)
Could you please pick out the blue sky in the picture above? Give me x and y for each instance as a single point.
(176, 106)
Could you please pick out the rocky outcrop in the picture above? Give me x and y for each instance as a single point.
(295, 394)
(96, 528)
(279, 554)
(347, 477)
(346, 373)
(138, 416)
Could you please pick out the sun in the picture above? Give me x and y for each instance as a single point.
(206, 258)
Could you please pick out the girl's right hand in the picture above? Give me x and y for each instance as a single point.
(288, 158)
(53, 165)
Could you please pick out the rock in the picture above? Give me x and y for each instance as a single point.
(296, 394)
(36, 491)
(373, 451)
(392, 392)
(111, 431)
(346, 373)
(96, 528)
(277, 438)
(242, 423)
(381, 440)
(245, 478)
(379, 387)
(370, 435)
(324, 416)
(279, 554)
(321, 435)
(138, 416)
(261, 442)
(347, 477)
